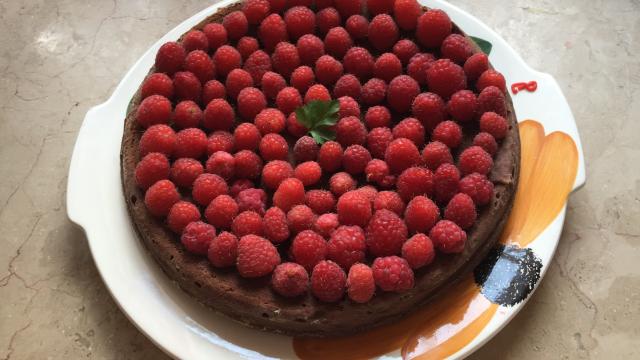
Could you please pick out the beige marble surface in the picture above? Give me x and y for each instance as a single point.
(59, 58)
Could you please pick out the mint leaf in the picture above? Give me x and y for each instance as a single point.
(483, 44)
(322, 134)
(318, 116)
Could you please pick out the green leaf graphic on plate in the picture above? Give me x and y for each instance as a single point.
(483, 44)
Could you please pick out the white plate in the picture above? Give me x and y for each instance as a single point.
(171, 319)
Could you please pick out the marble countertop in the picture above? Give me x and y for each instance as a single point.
(59, 58)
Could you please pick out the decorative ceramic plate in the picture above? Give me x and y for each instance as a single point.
(455, 324)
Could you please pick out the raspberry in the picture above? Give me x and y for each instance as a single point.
(492, 99)
(346, 246)
(223, 250)
(359, 62)
(478, 187)
(213, 89)
(418, 65)
(357, 26)
(376, 7)
(448, 133)
(276, 228)
(418, 251)
(290, 193)
(252, 199)
(328, 281)
(456, 48)
(383, 32)
(277, 5)
(302, 78)
(246, 46)
(401, 154)
(201, 65)
(433, 27)
(461, 210)
(475, 159)
(256, 256)
(247, 223)
(221, 211)
(491, 78)
(152, 167)
(411, 129)
(448, 237)
(190, 143)
(226, 59)
(374, 91)
(355, 159)
(337, 42)
(308, 248)
(436, 154)
(446, 180)
(392, 273)
(274, 147)
(300, 218)
(290, 280)
(368, 192)
(181, 214)
(288, 100)
(445, 78)
(155, 109)
(250, 102)
(328, 70)
(185, 171)
(236, 24)
(320, 201)
(239, 185)
(187, 86)
(222, 164)
(246, 136)
(308, 172)
(305, 149)
(407, 13)
(462, 105)
(387, 67)
(270, 121)
(170, 57)
(347, 85)
(216, 35)
(389, 200)
(187, 114)
(476, 65)
(347, 8)
(237, 80)
(272, 83)
(207, 187)
(340, 183)
(348, 107)
(157, 84)
(401, 92)
(354, 208)
(494, 124)
(294, 127)
(248, 164)
(421, 214)
(300, 20)
(487, 142)
(272, 30)
(158, 138)
(195, 40)
(258, 64)
(317, 92)
(415, 181)
(197, 236)
(160, 197)
(404, 50)
(385, 233)
(220, 141)
(350, 131)
(285, 59)
(327, 19)
(330, 156)
(360, 283)
(376, 170)
(255, 10)
(326, 223)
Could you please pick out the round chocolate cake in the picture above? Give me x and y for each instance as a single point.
(475, 121)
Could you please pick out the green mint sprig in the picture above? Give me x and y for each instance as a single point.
(318, 116)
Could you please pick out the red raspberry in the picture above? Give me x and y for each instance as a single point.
(387, 67)
(337, 42)
(478, 187)
(152, 167)
(359, 62)
(187, 114)
(401, 154)
(246, 46)
(201, 65)
(276, 228)
(187, 86)
(330, 156)
(448, 133)
(407, 13)
(487, 142)
(300, 218)
(197, 236)
(272, 83)
(368, 192)
(456, 48)
(272, 30)
(355, 159)
(247, 136)
(461, 210)
(448, 237)
(294, 128)
(302, 78)
(258, 64)
(221, 211)
(216, 35)
(389, 200)
(236, 24)
(401, 92)
(462, 105)
(328, 70)
(195, 40)
(328, 281)
(247, 223)
(436, 154)
(415, 181)
(300, 20)
(317, 92)
(326, 223)
(155, 109)
(308, 172)
(383, 32)
(290, 280)
(491, 78)
(346, 246)
(447, 178)
(376, 7)
(354, 208)
(327, 19)
(237, 80)
(270, 121)
(160, 197)
(255, 10)
(418, 65)
(274, 147)
(213, 89)
(347, 85)
(239, 185)
(290, 193)
(385, 233)
(433, 27)
(222, 164)
(418, 251)
(305, 3)
(170, 57)
(348, 107)
(223, 250)
(158, 138)
(445, 78)
(207, 187)
(475, 159)
(285, 58)
(492, 99)
(250, 102)
(374, 91)
(220, 141)
(350, 131)
(357, 26)
(305, 149)
(288, 100)
(252, 199)
(226, 59)
(360, 283)
(277, 5)
(190, 143)
(248, 164)
(348, 7)
(340, 183)
(320, 201)
(157, 84)
(185, 171)
(494, 124)
(256, 256)
(376, 170)
(181, 214)
(476, 65)
(412, 129)
(421, 214)
(405, 49)
(392, 273)
(308, 248)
